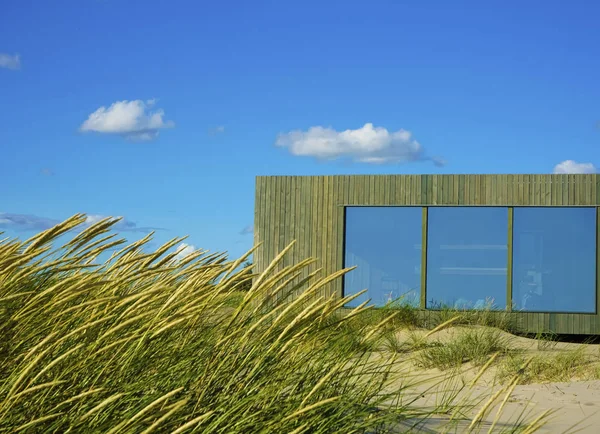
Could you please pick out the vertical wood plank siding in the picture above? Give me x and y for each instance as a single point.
(310, 210)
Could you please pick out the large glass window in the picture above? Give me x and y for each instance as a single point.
(467, 256)
(385, 245)
(554, 259)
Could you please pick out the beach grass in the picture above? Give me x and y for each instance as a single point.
(147, 342)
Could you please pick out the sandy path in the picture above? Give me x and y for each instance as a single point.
(571, 402)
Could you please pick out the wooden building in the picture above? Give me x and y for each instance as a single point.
(523, 243)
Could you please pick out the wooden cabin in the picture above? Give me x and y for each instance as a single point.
(527, 244)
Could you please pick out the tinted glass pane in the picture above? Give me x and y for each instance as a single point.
(554, 259)
(467, 257)
(385, 245)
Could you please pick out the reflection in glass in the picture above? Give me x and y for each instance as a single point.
(467, 256)
(554, 259)
(385, 245)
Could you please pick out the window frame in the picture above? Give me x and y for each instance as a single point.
(596, 242)
(508, 245)
(510, 238)
(343, 251)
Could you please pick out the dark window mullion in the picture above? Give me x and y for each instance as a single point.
(424, 259)
(597, 259)
(509, 264)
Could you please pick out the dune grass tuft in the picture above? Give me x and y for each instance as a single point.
(473, 345)
(561, 366)
(147, 343)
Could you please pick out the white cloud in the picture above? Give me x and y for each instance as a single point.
(93, 219)
(132, 119)
(122, 225)
(219, 129)
(29, 222)
(368, 144)
(184, 250)
(570, 166)
(10, 62)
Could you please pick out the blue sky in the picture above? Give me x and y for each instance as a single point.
(164, 112)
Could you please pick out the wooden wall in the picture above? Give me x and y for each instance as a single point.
(310, 210)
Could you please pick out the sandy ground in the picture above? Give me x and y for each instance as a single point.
(575, 404)
(572, 403)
